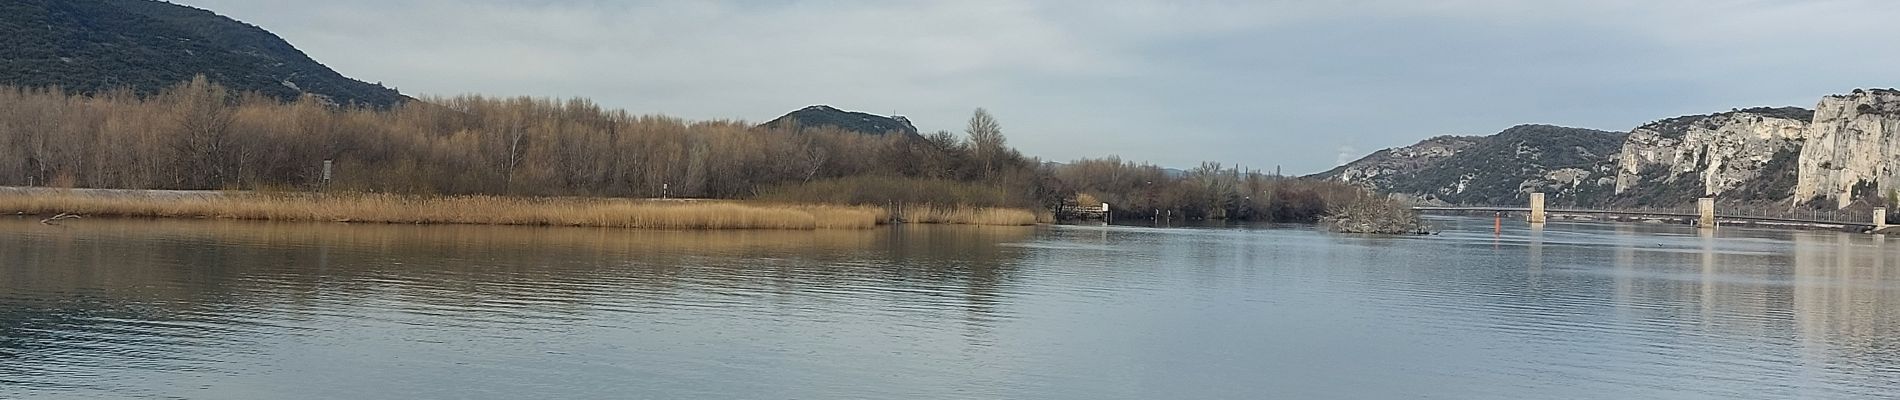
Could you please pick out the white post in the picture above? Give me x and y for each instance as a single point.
(328, 168)
(1880, 218)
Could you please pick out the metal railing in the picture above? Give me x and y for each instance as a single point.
(1763, 213)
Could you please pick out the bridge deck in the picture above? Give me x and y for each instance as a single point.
(1654, 213)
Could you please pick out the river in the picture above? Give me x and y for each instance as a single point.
(251, 310)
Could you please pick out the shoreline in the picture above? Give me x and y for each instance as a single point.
(667, 214)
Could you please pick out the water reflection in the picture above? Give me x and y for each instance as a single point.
(164, 298)
(1768, 313)
(1844, 309)
(218, 309)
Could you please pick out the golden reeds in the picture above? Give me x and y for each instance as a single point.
(929, 214)
(490, 210)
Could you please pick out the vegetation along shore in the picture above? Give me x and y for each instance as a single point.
(478, 209)
(474, 159)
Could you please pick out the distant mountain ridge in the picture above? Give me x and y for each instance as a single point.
(90, 46)
(853, 121)
(1843, 153)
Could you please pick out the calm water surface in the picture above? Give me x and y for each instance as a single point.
(244, 310)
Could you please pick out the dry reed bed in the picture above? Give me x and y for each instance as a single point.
(490, 210)
(494, 210)
(929, 214)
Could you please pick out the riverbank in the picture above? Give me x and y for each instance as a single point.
(481, 210)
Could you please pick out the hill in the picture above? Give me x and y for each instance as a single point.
(1572, 165)
(89, 46)
(1381, 168)
(852, 121)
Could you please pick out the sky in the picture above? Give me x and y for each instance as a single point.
(1302, 85)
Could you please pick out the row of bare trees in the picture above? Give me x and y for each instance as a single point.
(199, 135)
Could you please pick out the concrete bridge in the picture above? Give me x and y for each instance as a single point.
(1704, 215)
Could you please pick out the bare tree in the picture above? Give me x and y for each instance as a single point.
(986, 139)
(200, 119)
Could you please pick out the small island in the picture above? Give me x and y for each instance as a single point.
(1375, 215)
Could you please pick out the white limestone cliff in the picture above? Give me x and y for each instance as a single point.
(1853, 148)
(1718, 152)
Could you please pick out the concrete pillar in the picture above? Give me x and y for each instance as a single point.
(1705, 212)
(1537, 208)
(1880, 218)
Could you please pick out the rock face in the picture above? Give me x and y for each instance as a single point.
(1571, 165)
(1852, 149)
(1676, 160)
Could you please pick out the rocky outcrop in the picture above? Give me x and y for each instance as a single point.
(1676, 160)
(1852, 149)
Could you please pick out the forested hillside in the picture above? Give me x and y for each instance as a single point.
(93, 46)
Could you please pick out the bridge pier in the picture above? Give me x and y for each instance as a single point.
(1705, 212)
(1537, 208)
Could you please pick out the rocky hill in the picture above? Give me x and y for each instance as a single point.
(1845, 151)
(1382, 168)
(95, 45)
(852, 121)
(1570, 165)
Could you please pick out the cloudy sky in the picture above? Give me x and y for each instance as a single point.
(1301, 84)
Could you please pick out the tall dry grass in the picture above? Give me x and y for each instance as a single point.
(896, 190)
(489, 210)
(931, 214)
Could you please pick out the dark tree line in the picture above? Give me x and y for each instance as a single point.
(1210, 191)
